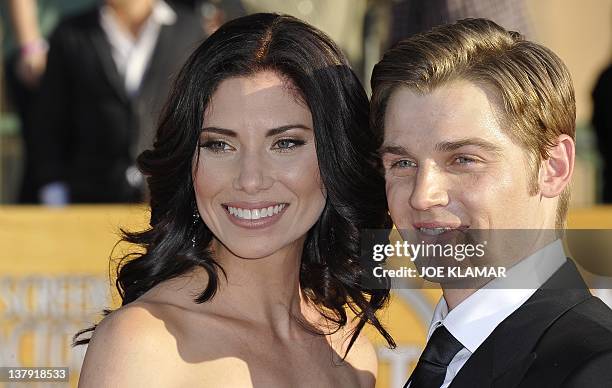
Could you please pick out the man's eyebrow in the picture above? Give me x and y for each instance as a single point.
(448, 146)
(269, 133)
(445, 146)
(392, 149)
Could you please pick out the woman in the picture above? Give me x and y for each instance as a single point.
(262, 175)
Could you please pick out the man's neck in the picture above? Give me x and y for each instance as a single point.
(454, 297)
(530, 272)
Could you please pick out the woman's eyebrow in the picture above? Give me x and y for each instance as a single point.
(278, 130)
(269, 133)
(220, 131)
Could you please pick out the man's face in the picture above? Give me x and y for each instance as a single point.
(450, 165)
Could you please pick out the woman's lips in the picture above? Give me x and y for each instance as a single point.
(254, 215)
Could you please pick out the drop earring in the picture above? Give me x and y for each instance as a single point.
(196, 218)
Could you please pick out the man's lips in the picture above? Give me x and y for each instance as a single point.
(434, 228)
(439, 224)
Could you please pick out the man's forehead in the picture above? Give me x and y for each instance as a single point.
(450, 113)
(452, 97)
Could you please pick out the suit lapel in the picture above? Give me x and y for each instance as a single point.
(157, 69)
(505, 356)
(103, 51)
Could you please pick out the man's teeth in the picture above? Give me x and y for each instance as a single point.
(255, 214)
(434, 231)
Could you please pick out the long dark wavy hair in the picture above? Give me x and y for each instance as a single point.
(331, 268)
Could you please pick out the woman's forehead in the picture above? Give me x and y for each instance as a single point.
(263, 100)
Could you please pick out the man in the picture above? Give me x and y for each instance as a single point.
(477, 128)
(108, 74)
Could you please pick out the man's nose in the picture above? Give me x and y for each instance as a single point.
(254, 174)
(429, 189)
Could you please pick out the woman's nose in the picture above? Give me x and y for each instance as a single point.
(254, 174)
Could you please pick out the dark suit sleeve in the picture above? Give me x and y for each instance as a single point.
(51, 121)
(602, 117)
(595, 372)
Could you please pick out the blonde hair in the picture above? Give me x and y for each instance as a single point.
(534, 88)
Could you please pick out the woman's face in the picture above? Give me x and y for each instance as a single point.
(256, 177)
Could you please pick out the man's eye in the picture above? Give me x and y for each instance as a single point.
(288, 144)
(216, 146)
(464, 160)
(403, 164)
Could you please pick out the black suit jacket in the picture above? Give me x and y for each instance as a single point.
(88, 131)
(560, 337)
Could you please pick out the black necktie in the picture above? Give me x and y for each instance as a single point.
(431, 368)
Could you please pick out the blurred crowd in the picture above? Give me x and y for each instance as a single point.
(87, 79)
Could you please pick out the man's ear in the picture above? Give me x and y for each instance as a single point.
(556, 172)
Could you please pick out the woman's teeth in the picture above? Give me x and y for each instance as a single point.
(255, 214)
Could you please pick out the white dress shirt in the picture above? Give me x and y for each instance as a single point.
(132, 54)
(474, 319)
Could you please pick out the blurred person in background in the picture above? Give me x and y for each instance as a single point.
(410, 17)
(32, 57)
(25, 50)
(23, 69)
(214, 13)
(602, 123)
(108, 71)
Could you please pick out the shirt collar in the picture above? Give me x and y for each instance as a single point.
(163, 13)
(474, 319)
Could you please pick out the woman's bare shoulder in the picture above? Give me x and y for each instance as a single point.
(362, 355)
(154, 345)
(155, 341)
(132, 346)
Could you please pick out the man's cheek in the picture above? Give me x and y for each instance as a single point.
(398, 198)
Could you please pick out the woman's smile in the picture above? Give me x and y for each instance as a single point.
(254, 215)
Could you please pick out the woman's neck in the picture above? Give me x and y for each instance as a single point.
(265, 290)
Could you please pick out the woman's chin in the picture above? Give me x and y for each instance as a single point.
(252, 251)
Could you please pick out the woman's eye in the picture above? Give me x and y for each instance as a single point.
(403, 164)
(287, 144)
(216, 146)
